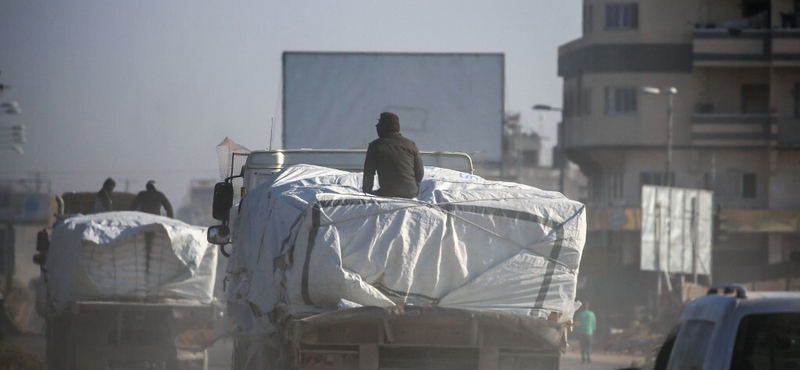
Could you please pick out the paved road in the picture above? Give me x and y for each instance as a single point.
(219, 355)
(600, 360)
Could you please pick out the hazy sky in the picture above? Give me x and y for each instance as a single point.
(142, 90)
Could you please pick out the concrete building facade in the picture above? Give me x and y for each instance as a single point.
(735, 131)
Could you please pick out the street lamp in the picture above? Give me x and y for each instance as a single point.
(669, 91)
(563, 158)
(546, 107)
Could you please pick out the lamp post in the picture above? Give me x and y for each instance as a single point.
(563, 163)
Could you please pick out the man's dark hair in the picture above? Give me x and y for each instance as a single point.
(109, 183)
(389, 122)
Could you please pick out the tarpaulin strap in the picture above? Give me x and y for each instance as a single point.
(548, 277)
(316, 213)
(448, 208)
(400, 294)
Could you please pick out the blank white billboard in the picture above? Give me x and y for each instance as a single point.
(446, 102)
(677, 227)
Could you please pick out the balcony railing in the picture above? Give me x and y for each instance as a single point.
(746, 47)
(740, 130)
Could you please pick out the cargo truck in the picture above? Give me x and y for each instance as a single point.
(124, 289)
(471, 274)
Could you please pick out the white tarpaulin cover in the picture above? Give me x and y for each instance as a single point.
(128, 256)
(312, 238)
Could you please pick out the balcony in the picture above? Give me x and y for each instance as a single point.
(733, 130)
(746, 47)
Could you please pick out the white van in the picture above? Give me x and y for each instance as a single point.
(733, 329)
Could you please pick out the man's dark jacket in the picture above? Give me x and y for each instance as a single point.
(150, 201)
(398, 164)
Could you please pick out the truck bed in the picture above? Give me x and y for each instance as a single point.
(109, 334)
(416, 337)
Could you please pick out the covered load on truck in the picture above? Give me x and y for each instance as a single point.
(309, 241)
(128, 256)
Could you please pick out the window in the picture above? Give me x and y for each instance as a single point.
(587, 19)
(794, 256)
(691, 345)
(621, 100)
(530, 158)
(755, 99)
(594, 187)
(586, 102)
(767, 341)
(622, 16)
(666, 349)
(732, 184)
(748, 185)
(615, 186)
(654, 178)
(569, 104)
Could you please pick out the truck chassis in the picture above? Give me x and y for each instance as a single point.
(108, 335)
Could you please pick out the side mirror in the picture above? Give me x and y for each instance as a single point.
(42, 241)
(223, 201)
(218, 234)
(42, 246)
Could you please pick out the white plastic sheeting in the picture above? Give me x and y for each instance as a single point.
(311, 239)
(128, 256)
(676, 230)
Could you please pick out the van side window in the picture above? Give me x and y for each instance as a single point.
(691, 345)
(767, 341)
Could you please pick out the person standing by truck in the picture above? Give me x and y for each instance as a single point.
(151, 201)
(585, 331)
(102, 201)
(395, 158)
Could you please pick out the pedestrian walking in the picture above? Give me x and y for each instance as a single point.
(587, 324)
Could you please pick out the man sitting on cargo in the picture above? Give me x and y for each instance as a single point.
(151, 200)
(102, 201)
(396, 160)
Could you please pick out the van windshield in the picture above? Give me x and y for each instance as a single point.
(768, 341)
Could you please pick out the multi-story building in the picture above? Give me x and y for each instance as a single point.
(735, 130)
